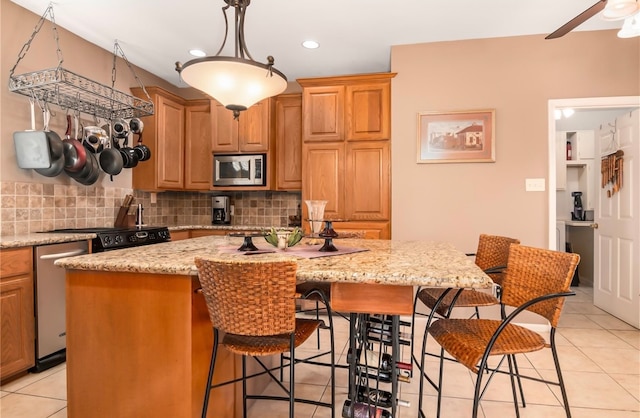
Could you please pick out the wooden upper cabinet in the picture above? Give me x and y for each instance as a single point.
(249, 133)
(170, 137)
(368, 187)
(289, 142)
(368, 108)
(224, 129)
(324, 177)
(323, 110)
(198, 160)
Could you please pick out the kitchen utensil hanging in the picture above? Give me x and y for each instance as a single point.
(612, 172)
(69, 90)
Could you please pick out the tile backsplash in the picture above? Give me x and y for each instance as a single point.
(35, 207)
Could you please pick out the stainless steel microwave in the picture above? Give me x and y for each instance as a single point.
(239, 169)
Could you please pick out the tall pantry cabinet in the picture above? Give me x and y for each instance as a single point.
(346, 134)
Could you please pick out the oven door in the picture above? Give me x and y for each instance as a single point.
(239, 170)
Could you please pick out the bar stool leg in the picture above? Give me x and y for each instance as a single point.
(212, 363)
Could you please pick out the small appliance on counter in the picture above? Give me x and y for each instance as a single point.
(221, 210)
(578, 211)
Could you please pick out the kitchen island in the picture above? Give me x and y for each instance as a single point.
(139, 335)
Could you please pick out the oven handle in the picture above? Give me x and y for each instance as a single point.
(61, 255)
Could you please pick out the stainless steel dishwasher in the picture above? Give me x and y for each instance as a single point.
(50, 302)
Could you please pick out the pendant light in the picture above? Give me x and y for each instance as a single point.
(619, 9)
(630, 27)
(237, 82)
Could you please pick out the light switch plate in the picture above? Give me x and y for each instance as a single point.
(534, 185)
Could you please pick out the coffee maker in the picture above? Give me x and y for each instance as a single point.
(220, 210)
(578, 212)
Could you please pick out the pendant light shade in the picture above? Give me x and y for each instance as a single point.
(619, 9)
(237, 82)
(630, 27)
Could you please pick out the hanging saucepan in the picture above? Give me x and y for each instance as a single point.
(110, 158)
(75, 155)
(94, 138)
(142, 151)
(120, 128)
(82, 174)
(56, 151)
(129, 157)
(94, 172)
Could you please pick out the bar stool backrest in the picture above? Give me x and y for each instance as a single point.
(254, 297)
(493, 251)
(534, 272)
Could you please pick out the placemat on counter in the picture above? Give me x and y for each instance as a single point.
(303, 250)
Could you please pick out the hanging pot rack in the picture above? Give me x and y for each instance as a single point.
(72, 91)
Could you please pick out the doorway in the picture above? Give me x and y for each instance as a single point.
(600, 111)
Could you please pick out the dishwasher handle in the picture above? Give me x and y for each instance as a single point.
(62, 255)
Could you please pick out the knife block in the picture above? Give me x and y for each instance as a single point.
(122, 217)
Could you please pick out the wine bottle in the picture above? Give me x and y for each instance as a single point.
(378, 397)
(381, 375)
(386, 339)
(387, 321)
(386, 363)
(362, 410)
(387, 332)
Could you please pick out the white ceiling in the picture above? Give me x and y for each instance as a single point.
(355, 36)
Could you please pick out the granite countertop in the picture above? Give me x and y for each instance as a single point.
(45, 238)
(416, 263)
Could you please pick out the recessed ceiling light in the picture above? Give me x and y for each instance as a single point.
(197, 52)
(310, 44)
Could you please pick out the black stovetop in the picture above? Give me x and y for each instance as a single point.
(112, 238)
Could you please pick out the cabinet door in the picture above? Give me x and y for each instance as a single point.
(367, 171)
(197, 154)
(323, 177)
(368, 109)
(253, 128)
(17, 331)
(170, 136)
(224, 129)
(289, 142)
(585, 144)
(323, 113)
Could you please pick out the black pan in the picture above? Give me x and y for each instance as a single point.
(111, 160)
(55, 150)
(75, 155)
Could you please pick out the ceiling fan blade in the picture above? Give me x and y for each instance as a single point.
(578, 20)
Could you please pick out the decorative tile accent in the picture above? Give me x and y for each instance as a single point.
(36, 207)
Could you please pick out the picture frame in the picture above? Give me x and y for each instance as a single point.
(461, 136)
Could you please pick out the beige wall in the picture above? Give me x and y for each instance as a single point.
(515, 76)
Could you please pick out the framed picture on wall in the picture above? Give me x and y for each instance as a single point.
(465, 136)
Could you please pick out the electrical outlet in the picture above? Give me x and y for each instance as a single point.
(154, 198)
(232, 209)
(534, 185)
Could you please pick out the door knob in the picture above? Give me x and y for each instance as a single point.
(594, 225)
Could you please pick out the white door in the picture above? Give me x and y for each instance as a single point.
(616, 287)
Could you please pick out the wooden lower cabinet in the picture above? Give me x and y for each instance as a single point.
(180, 235)
(143, 348)
(16, 310)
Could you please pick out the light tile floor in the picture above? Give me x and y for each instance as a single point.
(599, 355)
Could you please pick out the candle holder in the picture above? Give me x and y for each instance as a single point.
(328, 234)
(247, 244)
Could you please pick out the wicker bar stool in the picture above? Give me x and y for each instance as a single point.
(491, 256)
(252, 303)
(536, 280)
